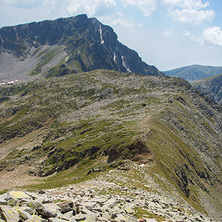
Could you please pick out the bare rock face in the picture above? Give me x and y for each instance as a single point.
(64, 46)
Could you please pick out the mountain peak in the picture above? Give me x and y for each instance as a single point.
(63, 46)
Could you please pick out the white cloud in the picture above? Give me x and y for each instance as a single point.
(192, 36)
(122, 22)
(146, 6)
(168, 33)
(91, 8)
(185, 11)
(192, 15)
(189, 11)
(186, 4)
(212, 36)
(97, 7)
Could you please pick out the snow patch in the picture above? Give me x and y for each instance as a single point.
(16, 33)
(114, 57)
(124, 64)
(101, 34)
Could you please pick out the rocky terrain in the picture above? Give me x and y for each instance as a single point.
(155, 133)
(64, 46)
(194, 72)
(98, 200)
(211, 87)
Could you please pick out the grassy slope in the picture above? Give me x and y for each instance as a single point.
(102, 115)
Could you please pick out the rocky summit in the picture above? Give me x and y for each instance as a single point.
(64, 46)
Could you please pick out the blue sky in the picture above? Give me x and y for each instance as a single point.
(165, 33)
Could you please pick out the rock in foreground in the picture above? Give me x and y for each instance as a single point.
(87, 203)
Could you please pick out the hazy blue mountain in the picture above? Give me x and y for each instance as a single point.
(194, 72)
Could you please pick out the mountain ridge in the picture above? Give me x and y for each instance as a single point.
(64, 46)
(74, 127)
(194, 72)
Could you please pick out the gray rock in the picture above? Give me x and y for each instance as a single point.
(130, 218)
(3, 201)
(9, 214)
(65, 206)
(24, 215)
(129, 209)
(41, 209)
(36, 218)
(80, 217)
(53, 209)
(27, 209)
(13, 202)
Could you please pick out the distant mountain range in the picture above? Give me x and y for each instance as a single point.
(194, 72)
(64, 46)
(211, 87)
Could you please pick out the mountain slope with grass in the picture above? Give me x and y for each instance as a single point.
(211, 87)
(154, 133)
(63, 46)
(194, 72)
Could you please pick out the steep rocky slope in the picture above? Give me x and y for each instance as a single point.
(194, 72)
(69, 129)
(64, 46)
(211, 87)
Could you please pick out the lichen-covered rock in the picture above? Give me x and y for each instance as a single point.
(19, 195)
(24, 215)
(36, 218)
(9, 214)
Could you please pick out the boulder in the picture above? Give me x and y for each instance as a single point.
(3, 201)
(9, 214)
(65, 206)
(41, 209)
(19, 195)
(80, 217)
(24, 215)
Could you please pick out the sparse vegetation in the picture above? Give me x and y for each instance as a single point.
(99, 119)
